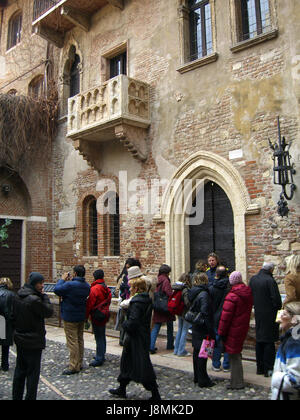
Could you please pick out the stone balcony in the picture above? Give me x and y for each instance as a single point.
(52, 19)
(117, 109)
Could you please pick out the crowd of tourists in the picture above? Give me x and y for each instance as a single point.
(211, 304)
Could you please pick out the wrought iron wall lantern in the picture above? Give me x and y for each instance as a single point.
(283, 171)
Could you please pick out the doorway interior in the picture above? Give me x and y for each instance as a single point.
(11, 257)
(216, 232)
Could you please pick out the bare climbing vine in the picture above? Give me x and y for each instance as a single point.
(27, 127)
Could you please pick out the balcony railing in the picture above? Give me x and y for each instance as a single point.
(118, 99)
(117, 109)
(41, 6)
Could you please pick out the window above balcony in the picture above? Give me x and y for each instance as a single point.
(52, 19)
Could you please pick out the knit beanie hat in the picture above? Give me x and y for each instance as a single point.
(235, 278)
(134, 272)
(35, 278)
(98, 274)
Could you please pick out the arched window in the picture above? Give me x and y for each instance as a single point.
(90, 226)
(112, 226)
(75, 77)
(12, 92)
(36, 87)
(14, 30)
(71, 77)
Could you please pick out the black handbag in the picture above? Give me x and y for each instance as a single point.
(193, 317)
(160, 302)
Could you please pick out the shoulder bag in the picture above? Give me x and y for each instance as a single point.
(160, 303)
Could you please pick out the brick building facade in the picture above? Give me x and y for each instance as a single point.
(154, 96)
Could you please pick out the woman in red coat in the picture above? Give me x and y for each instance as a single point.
(164, 285)
(98, 294)
(234, 325)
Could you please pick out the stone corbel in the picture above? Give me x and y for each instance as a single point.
(89, 153)
(48, 34)
(133, 139)
(117, 3)
(75, 17)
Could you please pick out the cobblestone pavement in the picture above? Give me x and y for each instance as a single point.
(93, 383)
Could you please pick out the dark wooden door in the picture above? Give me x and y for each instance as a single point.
(216, 233)
(10, 258)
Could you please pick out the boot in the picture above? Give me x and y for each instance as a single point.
(118, 392)
(155, 395)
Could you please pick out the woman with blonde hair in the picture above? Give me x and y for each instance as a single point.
(201, 303)
(286, 375)
(6, 312)
(135, 361)
(292, 279)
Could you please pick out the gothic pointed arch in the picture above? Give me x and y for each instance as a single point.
(71, 74)
(200, 168)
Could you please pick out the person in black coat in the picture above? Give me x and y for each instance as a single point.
(6, 310)
(31, 308)
(135, 361)
(201, 303)
(218, 291)
(267, 302)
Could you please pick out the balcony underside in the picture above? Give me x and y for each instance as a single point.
(65, 15)
(134, 140)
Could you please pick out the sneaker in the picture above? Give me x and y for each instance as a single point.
(187, 354)
(226, 370)
(215, 369)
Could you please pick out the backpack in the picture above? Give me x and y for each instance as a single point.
(175, 303)
(101, 312)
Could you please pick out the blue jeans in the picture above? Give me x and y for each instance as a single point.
(216, 360)
(155, 331)
(100, 337)
(180, 340)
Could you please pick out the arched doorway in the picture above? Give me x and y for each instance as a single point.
(205, 167)
(15, 204)
(216, 232)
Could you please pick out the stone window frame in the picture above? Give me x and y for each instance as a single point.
(108, 221)
(184, 38)
(88, 228)
(106, 56)
(36, 87)
(237, 44)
